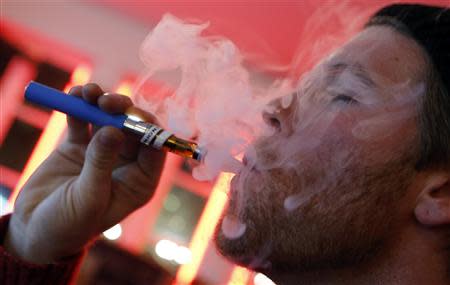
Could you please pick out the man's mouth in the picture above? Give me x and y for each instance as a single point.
(233, 183)
(245, 160)
(246, 174)
(250, 164)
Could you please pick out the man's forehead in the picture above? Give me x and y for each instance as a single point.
(389, 56)
(335, 68)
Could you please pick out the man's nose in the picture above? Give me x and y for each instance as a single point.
(281, 116)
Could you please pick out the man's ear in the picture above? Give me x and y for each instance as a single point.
(433, 203)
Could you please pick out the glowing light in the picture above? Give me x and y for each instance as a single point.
(170, 251)
(3, 203)
(166, 249)
(134, 117)
(49, 138)
(172, 203)
(113, 233)
(261, 279)
(125, 88)
(80, 76)
(205, 228)
(239, 276)
(183, 255)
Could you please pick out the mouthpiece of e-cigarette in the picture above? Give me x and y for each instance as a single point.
(151, 135)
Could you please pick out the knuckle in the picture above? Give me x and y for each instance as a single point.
(117, 99)
(91, 90)
(92, 87)
(126, 101)
(97, 158)
(75, 90)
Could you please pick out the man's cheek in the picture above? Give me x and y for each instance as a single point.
(383, 126)
(374, 131)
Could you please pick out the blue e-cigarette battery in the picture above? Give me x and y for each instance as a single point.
(73, 106)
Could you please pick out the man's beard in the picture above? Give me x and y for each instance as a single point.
(345, 218)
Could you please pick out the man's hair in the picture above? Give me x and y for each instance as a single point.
(433, 112)
(434, 123)
(434, 128)
(433, 116)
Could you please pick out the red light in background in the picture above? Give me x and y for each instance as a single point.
(239, 276)
(125, 87)
(16, 76)
(205, 229)
(9, 177)
(80, 76)
(47, 142)
(50, 136)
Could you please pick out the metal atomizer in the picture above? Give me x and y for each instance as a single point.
(151, 135)
(159, 138)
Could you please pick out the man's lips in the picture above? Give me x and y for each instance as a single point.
(234, 182)
(245, 160)
(250, 164)
(249, 174)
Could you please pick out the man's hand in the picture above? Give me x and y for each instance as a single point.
(89, 183)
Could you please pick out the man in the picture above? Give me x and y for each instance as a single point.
(352, 187)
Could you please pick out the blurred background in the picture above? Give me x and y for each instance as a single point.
(66, 43)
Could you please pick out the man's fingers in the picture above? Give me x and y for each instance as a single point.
(78, 131)
(76, 91)
(130, 147)
(151, 161)
(91, 92)
(134, 187)
(140, 178)
(114, 103)
(101, 157)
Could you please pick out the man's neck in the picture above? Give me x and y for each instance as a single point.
(410, 259)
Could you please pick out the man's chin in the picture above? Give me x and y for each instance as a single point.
(245, 250)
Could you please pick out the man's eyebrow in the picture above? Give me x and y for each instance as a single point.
(357, 69)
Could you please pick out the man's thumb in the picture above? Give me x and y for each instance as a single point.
(101, 156)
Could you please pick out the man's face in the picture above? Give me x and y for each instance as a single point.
(325, 189)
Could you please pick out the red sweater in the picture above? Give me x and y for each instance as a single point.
(19, 272)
